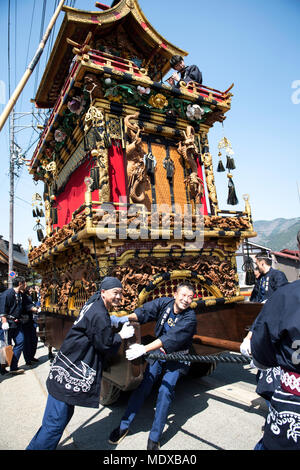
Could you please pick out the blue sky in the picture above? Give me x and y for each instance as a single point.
(254, 44)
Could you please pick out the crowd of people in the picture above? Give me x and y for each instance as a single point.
(19, 308)
(273, 343)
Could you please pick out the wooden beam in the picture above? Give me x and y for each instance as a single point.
(217, 342)
(102, 6)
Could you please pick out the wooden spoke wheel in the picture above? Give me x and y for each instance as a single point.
(109, 393)
(201, 369)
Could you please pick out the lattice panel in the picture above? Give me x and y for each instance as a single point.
(53, 296)
(79, 298)
(47, 299)
(162, 187)
(181, 195)
(168, 289)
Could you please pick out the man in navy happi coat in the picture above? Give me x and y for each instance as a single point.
(75, 374)
(267, 283)
(175, 327)
(276, 343)
(269, 280)
(184, 73)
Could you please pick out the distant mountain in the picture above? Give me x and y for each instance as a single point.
(277, 234)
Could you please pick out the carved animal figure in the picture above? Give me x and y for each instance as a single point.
(195, 184)
(187, 148)
(136, 171)
(92, 85)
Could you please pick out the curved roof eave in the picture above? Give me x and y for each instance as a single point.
(94, 20)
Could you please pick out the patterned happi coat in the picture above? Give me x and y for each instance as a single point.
(276, 343)
(76, 372)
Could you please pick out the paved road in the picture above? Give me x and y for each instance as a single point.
(219, 412)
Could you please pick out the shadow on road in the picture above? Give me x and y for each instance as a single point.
(191, 398)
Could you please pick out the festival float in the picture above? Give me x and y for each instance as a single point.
(129, 188)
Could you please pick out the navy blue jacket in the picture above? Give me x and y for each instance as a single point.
(177, 338)
(76, 372)
(191, 74)
(277, 327)
(10, 307)
(276, 342)
(266, 284)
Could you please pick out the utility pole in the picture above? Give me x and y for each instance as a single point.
(16, 159)
(9, 111)
(11, 195)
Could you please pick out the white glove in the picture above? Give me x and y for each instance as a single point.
(134, 351)
(245, 347)
(5, 326)
(127, 331)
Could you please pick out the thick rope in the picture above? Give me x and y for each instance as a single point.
(179, 357)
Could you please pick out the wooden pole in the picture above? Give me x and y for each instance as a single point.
(13, 99)
(217, 342)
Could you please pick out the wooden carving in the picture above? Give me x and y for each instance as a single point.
(93, 86)
(137, 273)
(209, 174)
(187, 149)
(136, 171)
(81, 49)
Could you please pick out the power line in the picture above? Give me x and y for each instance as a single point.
(8, 48)
(16, 20)
(31, 67)
(30, 31)
(41, 35)
(23, 200)
(50, 44)
(28, 46)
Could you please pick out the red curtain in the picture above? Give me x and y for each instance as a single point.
(72, 196)
(117, 173)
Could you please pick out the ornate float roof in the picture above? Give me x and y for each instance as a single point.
(122, 26)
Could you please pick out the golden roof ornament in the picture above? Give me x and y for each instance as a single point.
(224, 143)
(81, 49)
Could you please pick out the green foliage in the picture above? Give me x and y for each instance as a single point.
(129, 94)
